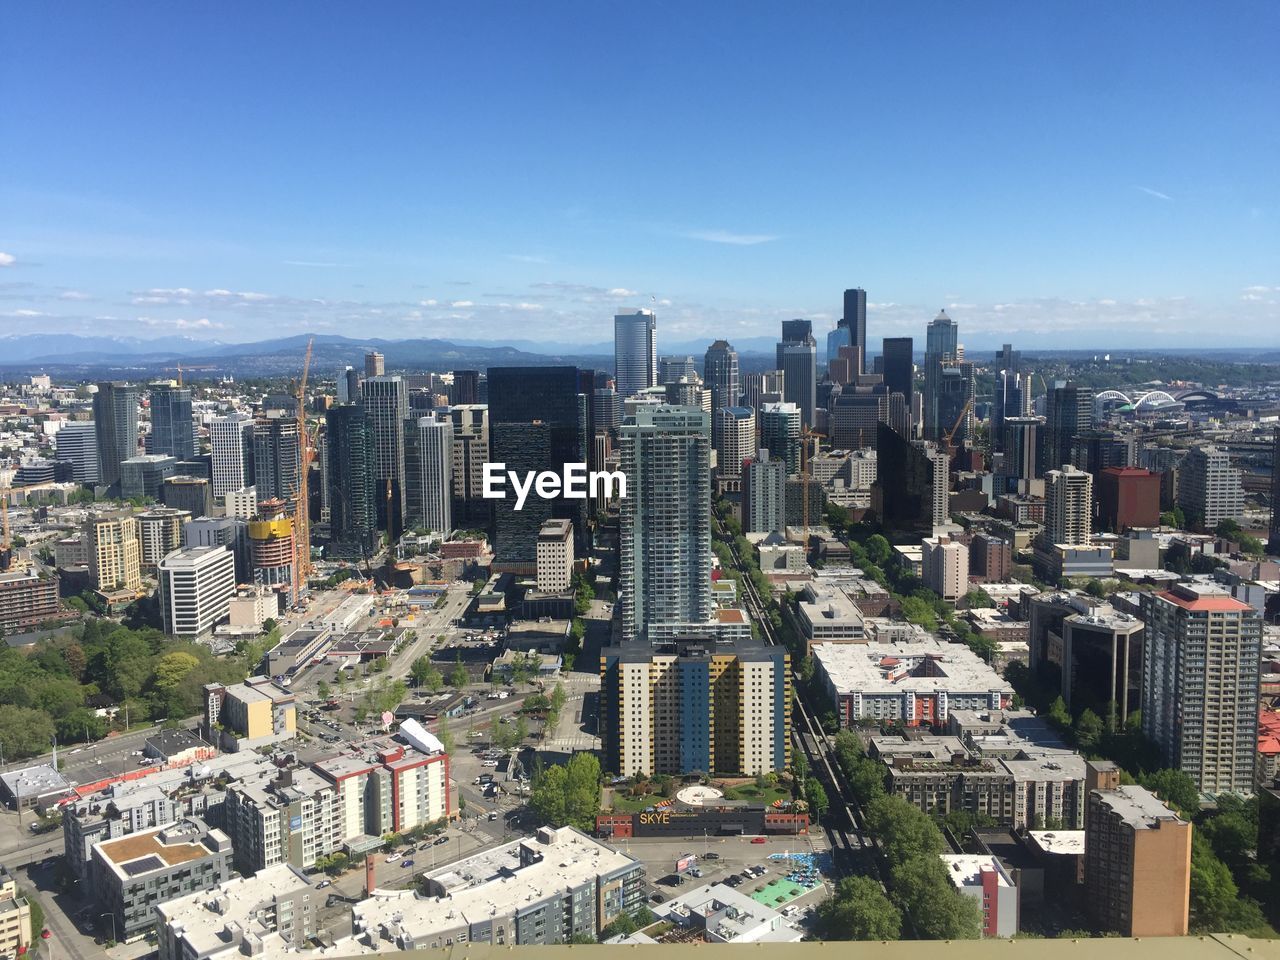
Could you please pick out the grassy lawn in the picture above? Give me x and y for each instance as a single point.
(754, 794)
(622, 803)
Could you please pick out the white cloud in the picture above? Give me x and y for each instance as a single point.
(74, 295)
(1155, 193)
(25, 314)
(7, 259)
(428, 303)
(181, 323)
(623, 292)
(735, 239)
(461, 303)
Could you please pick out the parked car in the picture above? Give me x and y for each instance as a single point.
(711, 856)
(407, 863)
(324, 883)
(757, 839)
(393, 858)
(440, 840)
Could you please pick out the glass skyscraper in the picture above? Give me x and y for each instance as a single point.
(635, 352)
(172, 427)
(115, 414)
(349, 453)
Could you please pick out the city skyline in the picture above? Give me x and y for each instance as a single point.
(1040, 169)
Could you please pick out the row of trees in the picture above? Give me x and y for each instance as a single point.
(568, 794)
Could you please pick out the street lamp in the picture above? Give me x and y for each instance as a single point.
(113, 924)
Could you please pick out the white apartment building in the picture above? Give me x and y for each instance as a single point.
(231, 446)
(1209, 487)
(242, 503)
(196, 587)
(945, 567)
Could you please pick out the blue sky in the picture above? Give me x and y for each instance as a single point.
(1066, 174)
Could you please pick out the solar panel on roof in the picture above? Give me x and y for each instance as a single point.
(145, 865)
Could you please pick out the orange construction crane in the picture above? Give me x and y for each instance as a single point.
(804, 477)
(302, 507)
(948, 439)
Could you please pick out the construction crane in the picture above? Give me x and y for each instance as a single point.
(804, 478)
(948, 439)
(302, 506)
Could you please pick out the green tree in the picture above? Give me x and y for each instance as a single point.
(918, 611)
(323, 690)
(1088, 731)
(904, 831)
(172, 669)
(878, 549)
(1175, 788)
(937, 909)
(425, 674)
(816, 795)
(582, 790)
(548, 799)
(1059, 715)
(458, 676)
(859, 910)
(24, 732)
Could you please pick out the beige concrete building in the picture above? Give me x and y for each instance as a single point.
(15, 917)
(945, 567)
(555, 556)
(114, 544)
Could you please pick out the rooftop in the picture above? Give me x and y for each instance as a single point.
(1059, 842)
(966, 869)
(34, 781)
(919, 666)
(207, 917)
(138, 854)
(1137, 806)
(1203, 599)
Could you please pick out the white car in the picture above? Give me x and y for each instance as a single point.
(393, 858)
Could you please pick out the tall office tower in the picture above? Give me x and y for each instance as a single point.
(534, 425)
(115, 412)
(276, 457)
(855, 413)
(735, 432)
(196, 587)
(172, 426)
(695, 706)
(688, 392)
(1200, 662)
(635, 352)
(470, 453)
(386, 404)
(1023, 453)
(912, 484)
(674, 368)
(764, 482)
(798, 361)
(1068, 507)
(945, 567)
(1273, 540)
(954, 394)
(231, 446)
(144, 475)
(191, 494)
(428, 459)
(1128, 497)
(606, 411)
(114, 545)
(466, 387)
(941, 347)
(761, 388)
(1007, 403)
(77, 442)
(720, 374)
(1209, 487)
(899, 367)
(1137, 858)
(1069, 413)
(665, 528)
(855, 318)
(374, 364)
(353, 512)
(780, 428)
(321, 465)
(345, 394)
(555, 557)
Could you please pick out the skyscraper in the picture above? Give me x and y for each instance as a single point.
(429, 473)
(1007, 403)
(172, 427)
(899, 367)
(855, 318)
(941, 353)
(1023, 456)
(735, 439)
(374, 364)
(798, 361)
(1200, 662)
(349, 449)
(911, 487)
(466, 387)
(231, 443)
(1209, 487)
(720, 374)
(470, 452)
(764, 481)
(665, 527)
(1068, 507)
(276, 457)
(535, 424)
(673, 369)
(386, 404)
(115, 412)
(761, 388)
(1069, 412)
(77, 442)
(780, 428)
(635, 352)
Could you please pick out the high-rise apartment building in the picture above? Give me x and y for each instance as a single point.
(855, 319)
(780, 426)
(555, 556)
(196, 587)
(764, 482)
(1069, 413)
(15, 917)
(161, 533)
(1022, 458)
(115, 413)
(635, 352)
(721, 376)
(1068, 507)
(273, 550)
(191, 494)
(172, 425)
(231, 446)
(695, 706)
(665, 527)
(114, 544)
(276, 457)
(1210, 489)
(229, 532)
(429, 444)
(945, 567)
(375, 365)
(734, 429)
(470, 453)
(536, 423)
(1137, 858)
(1200, 663)
(77, 443)
(386, 404)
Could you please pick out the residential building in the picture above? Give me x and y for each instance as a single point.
(27, 600)
(115, 416)
(986, 880)
(231, 449)
(349, 452)
(276, 456)
(229, 532)
(277, 817)
(1068, 522)
(15, 917)
(254, 713)
(1022, 454)
(143, 476)
(717, 913)
(1069, 412)
(470, 453)
(555, 556)
(386, 403)
(1210, 489)
(161, 533)
(780, 427)
(375, 364)
(241, 503)
(273, 555)
(1101, 663)
(115, 551)
(196, 586)
(131, 875)
(1128, 497)
(429, 453)
(77, 442)
(1200, 676)
(635, 352)
(990, 558)
(543, 889)
(734, 432)
(720, 373)
(695, 705)
(1137, 859)
(764, 494)
(172, 424)
(233, 918)
(665, 527)
(945, 565)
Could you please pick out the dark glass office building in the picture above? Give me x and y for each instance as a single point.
(353, 513)
(172, 427)
(115, 415)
